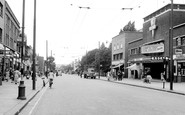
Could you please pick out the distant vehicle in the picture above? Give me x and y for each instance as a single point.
(89, 73)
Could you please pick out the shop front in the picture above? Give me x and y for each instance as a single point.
(157, 62)
(135, 70)
(179, 72)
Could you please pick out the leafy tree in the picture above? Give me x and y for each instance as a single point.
(88, 59)
(51, 63)
(105, 58)
(129, 27)
(93, 57)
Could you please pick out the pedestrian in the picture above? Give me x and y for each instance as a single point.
(7, 75)
(119, 75)
(162, 76)
(81, 74)
(43, 80)
(57, 73)
(51, 77)
(108, 75)
(12, 75)
(17, 76)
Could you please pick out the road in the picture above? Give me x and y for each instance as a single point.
(72, 95)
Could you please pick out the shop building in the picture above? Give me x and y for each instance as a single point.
(134, 57)
(9, 33)
(118, 53)
(156, 35)
(120, 50)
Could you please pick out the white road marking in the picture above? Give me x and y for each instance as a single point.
(37, 101)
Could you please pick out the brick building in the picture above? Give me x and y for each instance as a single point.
(120, 50)
(9, 33)
(154, 49)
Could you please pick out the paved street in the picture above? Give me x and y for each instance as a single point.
(72, 95)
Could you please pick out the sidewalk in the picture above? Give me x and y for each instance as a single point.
(9, 104)
(178, 88)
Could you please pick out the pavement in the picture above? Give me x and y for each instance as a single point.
(9, 104)
(178, 88)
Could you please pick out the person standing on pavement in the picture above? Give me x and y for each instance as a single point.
(12, 74)
(7, 75)
(108, 75)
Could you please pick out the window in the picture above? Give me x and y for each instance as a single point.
(117, 46)
(121, 55)
(178, 41)
(1, 39)
(121, 46)
(11, 29)
(139, 50)
(133, 51)
(11, 43)
(114, 47)
(1, 9)
(183, 40)
(114, 57)
(7, 40)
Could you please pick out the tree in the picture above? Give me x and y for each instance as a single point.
(51, 63)
(105, 58)
(93, 57)
(129, 27)
(88, 59)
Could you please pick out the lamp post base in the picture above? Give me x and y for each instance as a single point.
(21, 91)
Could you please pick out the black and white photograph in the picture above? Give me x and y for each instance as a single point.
(92, 57)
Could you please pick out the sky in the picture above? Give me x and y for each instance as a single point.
(72, 31)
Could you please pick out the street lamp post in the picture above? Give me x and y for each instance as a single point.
(46, 58)
(99, 59)
(21, 87)
(171, 48)
(34, 47)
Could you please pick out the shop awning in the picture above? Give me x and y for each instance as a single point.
(132, 67)
(1, 47)
(117, 66)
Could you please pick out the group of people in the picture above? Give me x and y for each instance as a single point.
(13, 75)
(115, 75)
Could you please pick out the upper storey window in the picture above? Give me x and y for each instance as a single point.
(1, 9)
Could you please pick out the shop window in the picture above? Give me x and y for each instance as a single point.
(121, 55)
(139, 50)
(114, 57)
(117, 56)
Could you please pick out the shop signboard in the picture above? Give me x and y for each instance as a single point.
(178, 51)
(154, 48)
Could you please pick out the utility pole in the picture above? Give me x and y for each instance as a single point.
(51, 57)
(34, 47)
(99, 59)
(22, 46)
(46, 58)
(21, 87)
(171, 49)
